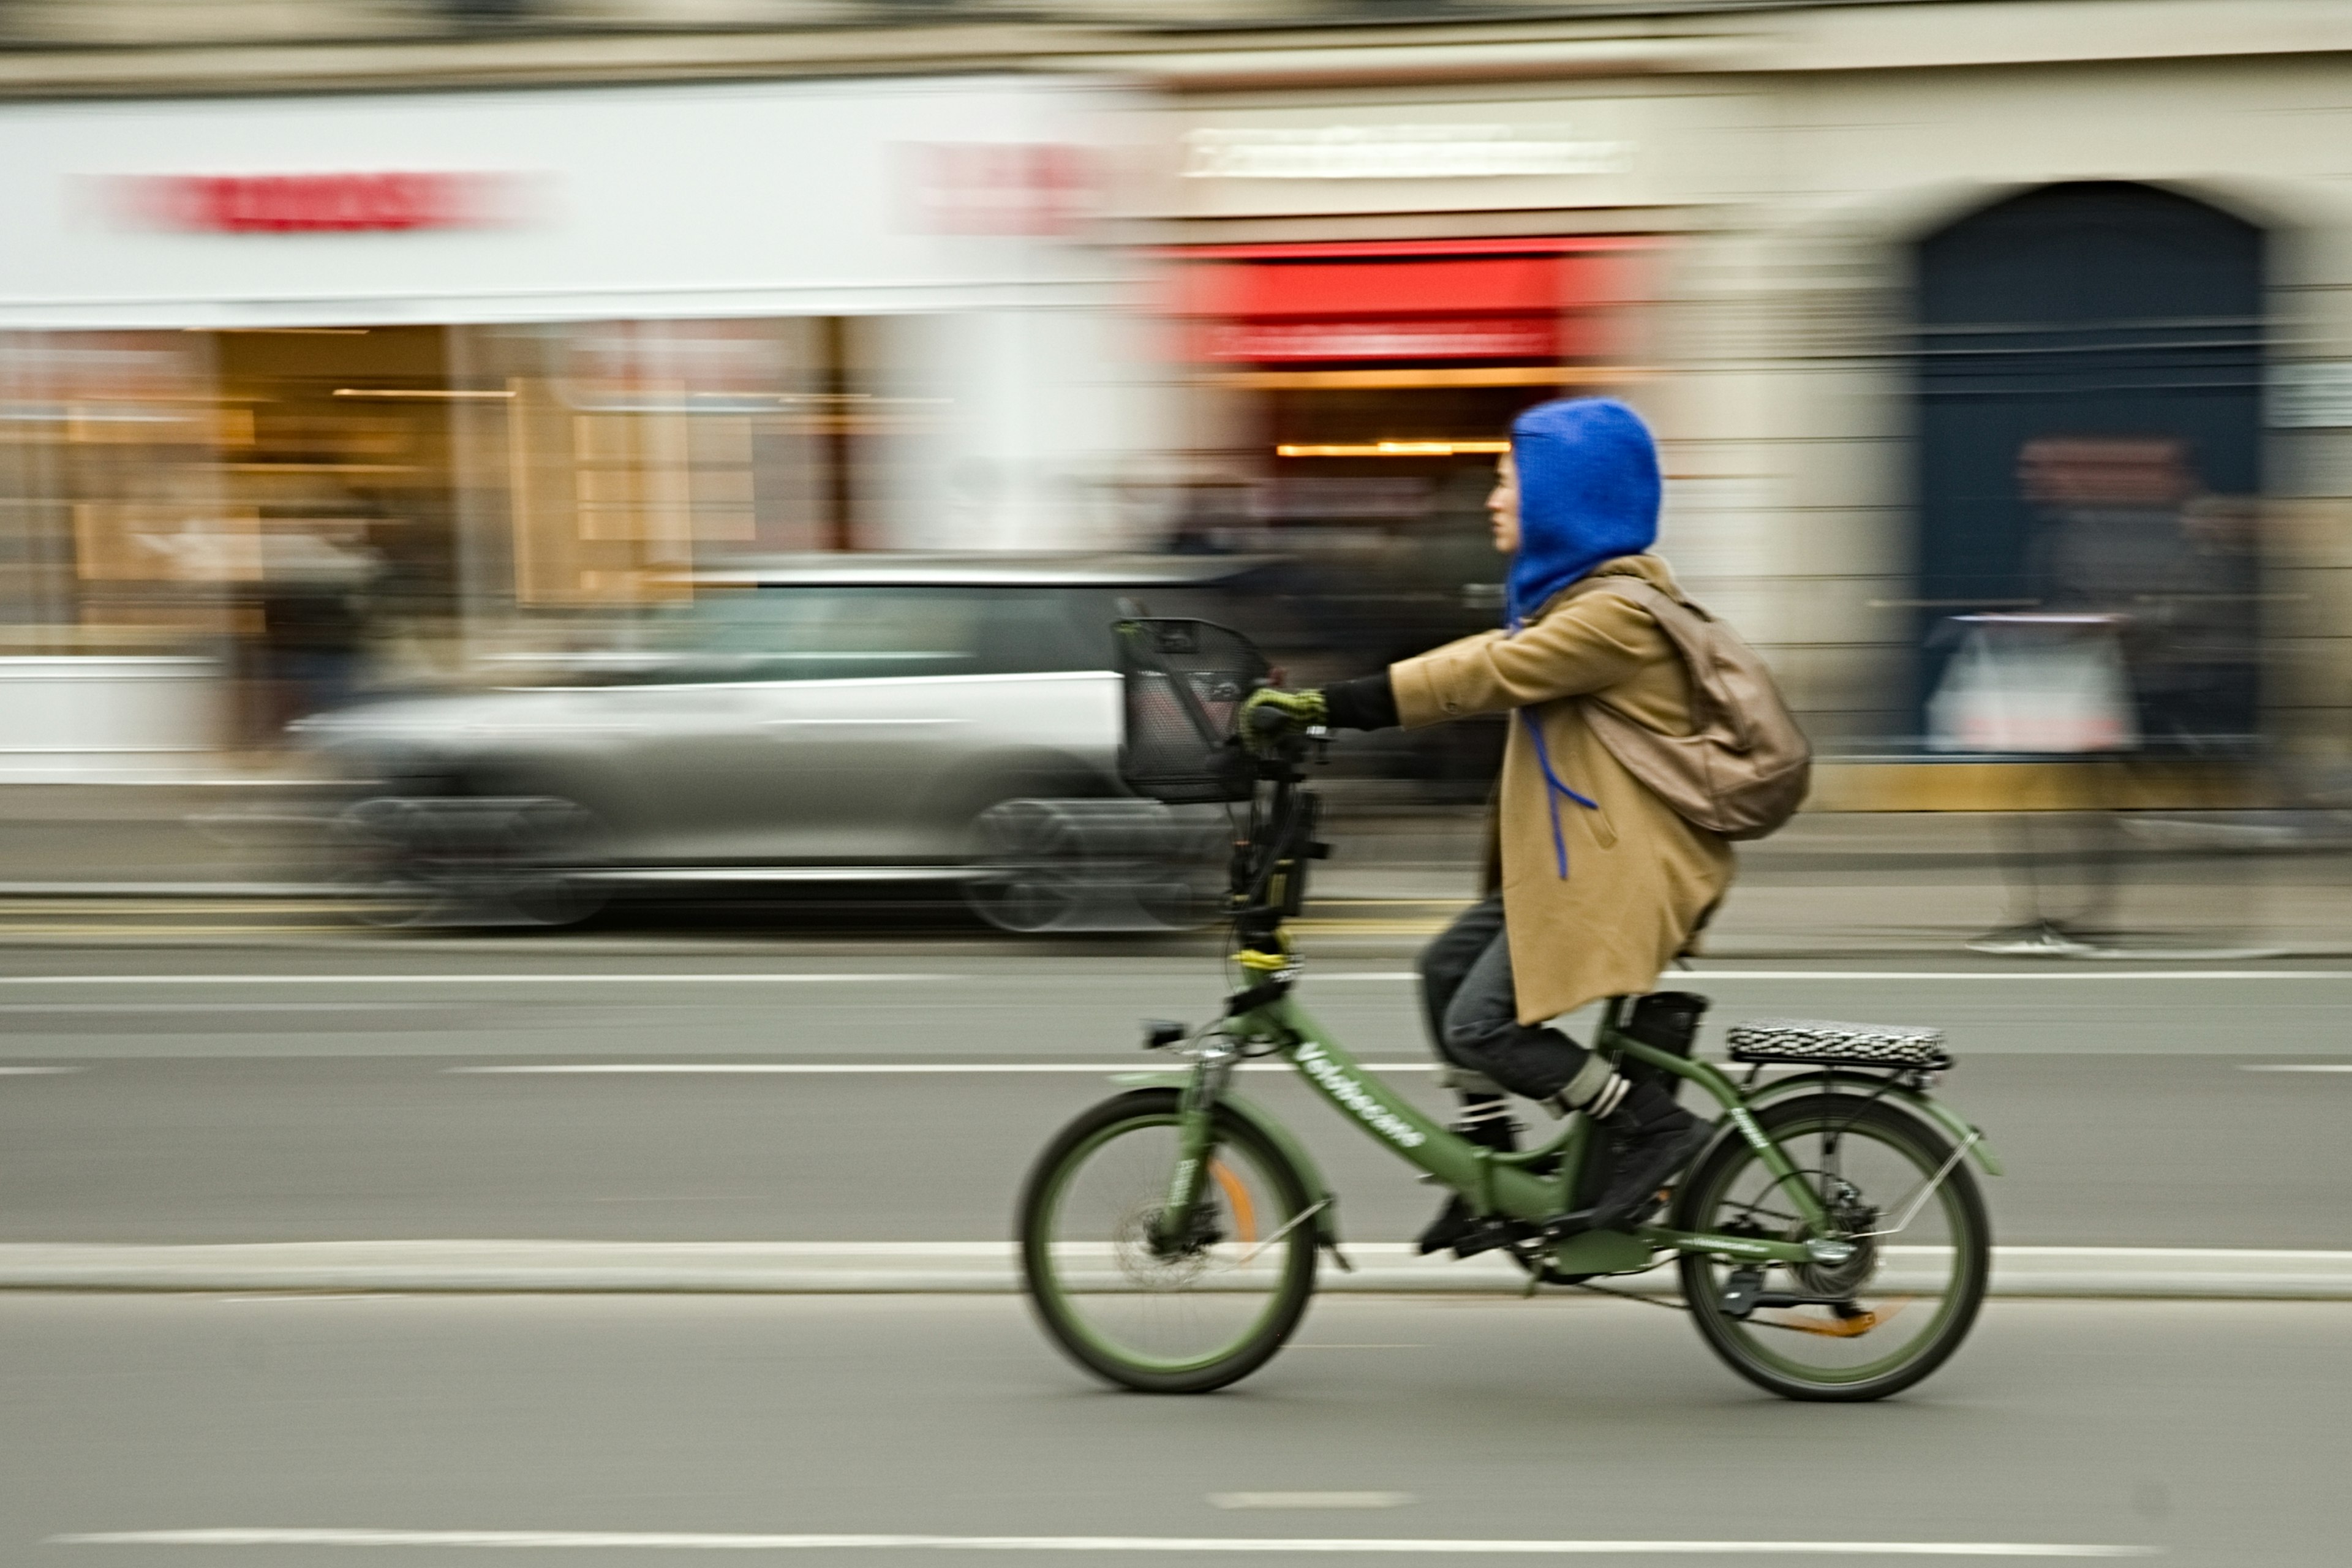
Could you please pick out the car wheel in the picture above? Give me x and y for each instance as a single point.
(1029, 865)
(1100, 865)
(426, 862)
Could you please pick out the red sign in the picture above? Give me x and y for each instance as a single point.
(1482, 299)
(317, 203)
(1267, 343)
(1007, 188)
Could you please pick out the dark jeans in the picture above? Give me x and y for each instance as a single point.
(1473, 1009)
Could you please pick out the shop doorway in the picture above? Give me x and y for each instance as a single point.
(2089, 383)
(1356, 395)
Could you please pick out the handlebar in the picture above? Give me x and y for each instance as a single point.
(1269, 721)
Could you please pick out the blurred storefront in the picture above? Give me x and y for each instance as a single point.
(313, 393)
(1902, 296)
(1904, 290)
(1352, 396)
(1361, 387)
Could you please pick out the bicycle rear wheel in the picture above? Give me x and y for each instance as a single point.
(1898, 1192)
(1165, 1320)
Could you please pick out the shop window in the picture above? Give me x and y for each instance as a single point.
(2089, 382)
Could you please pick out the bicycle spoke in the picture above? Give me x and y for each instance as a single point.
(1150, 1300)
(1851, 1321)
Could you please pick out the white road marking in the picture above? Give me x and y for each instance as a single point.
(2294, 1067)
(1311, 1500)
(1672, 976)
(573, 1068)
(2006, 974)
(651, 1541)
(858, 978)
(34, 1072)
(178, 1008)
(587, 978)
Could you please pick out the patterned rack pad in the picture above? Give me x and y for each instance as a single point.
(1856, 1045)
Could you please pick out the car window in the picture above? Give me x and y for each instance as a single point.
(790, 633)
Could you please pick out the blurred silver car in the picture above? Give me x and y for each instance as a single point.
(835, 719)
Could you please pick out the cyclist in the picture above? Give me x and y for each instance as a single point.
(1595, 883)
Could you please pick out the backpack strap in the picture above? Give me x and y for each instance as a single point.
(1680, 620)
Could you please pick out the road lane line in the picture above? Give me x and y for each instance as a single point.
(1311, 1500)
(991, 1267)
(859, 977)
(181, 1007)
(1916, 974)
(2294, 1067)
(664, 1541)
(589, 977)
(34, 1072)
(583, 1068)
(2109, 975)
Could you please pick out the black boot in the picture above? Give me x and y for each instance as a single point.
(1486, 1122)
(1655, 1138)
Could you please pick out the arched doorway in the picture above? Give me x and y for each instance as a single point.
(2090, 373)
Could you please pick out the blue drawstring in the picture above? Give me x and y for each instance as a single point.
(1553, 790)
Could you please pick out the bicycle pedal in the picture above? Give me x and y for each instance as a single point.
(1741, 1291)
(1490, 1238)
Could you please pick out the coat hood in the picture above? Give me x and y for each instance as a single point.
(1589, 490)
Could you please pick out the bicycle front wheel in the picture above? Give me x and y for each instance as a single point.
(1144, 1314)
(1898, 1192)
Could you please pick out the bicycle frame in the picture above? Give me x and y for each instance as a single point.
(1504, 1185)
(1263, 1019)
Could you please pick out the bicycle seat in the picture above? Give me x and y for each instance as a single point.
(1822, 1043)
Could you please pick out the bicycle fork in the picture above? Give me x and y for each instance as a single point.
(1173, 1229)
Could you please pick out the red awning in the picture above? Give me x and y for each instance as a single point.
(1385, 301)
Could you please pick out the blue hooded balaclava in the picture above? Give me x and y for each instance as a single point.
(1588, 493)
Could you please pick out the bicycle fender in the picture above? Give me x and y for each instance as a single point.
(1319, 1191)
(1934, 1110)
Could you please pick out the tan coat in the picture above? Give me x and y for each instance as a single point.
(1640, 879)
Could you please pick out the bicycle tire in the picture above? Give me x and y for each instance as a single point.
(1057, 1305)
(1926, 1149)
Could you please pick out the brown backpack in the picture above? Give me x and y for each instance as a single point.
(1745, 769)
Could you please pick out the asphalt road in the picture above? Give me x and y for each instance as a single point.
(2213, 1434)
(184, 1095)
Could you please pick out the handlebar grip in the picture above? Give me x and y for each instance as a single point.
(1269, 719)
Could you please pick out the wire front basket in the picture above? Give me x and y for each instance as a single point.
(1185, 683)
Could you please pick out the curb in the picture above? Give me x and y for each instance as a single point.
(988, 1267)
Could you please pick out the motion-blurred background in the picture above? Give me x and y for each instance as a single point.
(633, 496)
(358, 349)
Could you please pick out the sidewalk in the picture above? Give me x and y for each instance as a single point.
(1861, 883)
(1830, 884)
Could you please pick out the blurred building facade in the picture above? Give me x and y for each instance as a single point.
(1859, 264)
(347, 387)
(1905, 286)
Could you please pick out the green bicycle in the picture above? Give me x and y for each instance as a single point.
(1831, 1242)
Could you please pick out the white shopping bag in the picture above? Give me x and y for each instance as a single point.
(2049, 684)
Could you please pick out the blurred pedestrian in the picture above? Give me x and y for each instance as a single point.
(316, 577)
(2159, 588)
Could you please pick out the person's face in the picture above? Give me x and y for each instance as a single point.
(1503, 507)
